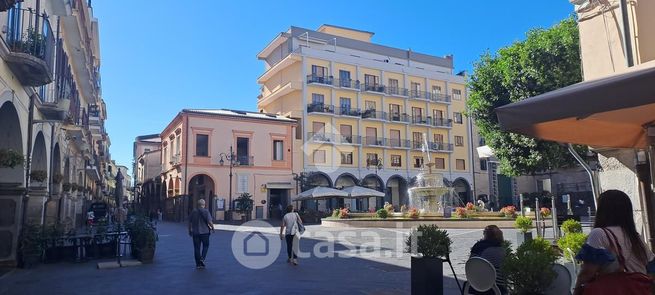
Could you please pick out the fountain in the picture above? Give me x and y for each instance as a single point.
(432, 195)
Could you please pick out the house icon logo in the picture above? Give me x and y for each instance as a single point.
(255, 244)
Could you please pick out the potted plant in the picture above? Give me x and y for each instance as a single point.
(244, 205)
(524, 225)
(530, 269)
(571, 226)
(508, 211)
(38, 176)
(571, 242)
(10, 158)
(31, 245)
(143, 239)
(430, 247)
(57, 178)
(382, 213)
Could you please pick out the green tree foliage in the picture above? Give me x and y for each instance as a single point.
(548, 59)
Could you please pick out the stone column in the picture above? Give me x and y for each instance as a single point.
(10, 219)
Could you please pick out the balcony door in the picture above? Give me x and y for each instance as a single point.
(319, 71)
(344, 78)
(371, 135)
(395, 138)
(344, 103)
(417, 137)
(418, 115)
(243, 150)
(394, 112)
(346, 133)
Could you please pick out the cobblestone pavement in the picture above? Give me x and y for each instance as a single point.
(353, 269)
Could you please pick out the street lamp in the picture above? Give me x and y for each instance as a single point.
(233, 161)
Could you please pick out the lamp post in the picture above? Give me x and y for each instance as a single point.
(233, 161)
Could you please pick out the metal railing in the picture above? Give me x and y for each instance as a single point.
(421, 120)
(397, 143)
(396, 91)
(373, 114)
(373, 87)
(31, 33)
(347, 83)
(373, 141)
(397, 117)
(319, 80)
(438, 97)
(348, 111)
(320, 108)
(246, 160)
(320, 137)
(348, 139)
(442, 122)
(440, 146)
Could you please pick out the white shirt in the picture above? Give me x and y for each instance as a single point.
(599, 240)
(290, 223)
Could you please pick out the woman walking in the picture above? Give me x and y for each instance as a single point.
(290, 230)
(614, 258)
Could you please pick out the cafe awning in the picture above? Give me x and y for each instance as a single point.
(357, 192)
(613, 111)
(320, 193)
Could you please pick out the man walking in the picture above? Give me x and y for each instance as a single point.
(200, 226)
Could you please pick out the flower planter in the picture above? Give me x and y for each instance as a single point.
(147, 254)
(522, 237)
(427, 275)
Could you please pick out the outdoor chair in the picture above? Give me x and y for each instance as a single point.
(481, 276)
(562, 282)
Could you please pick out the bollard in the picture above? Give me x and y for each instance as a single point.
(553, 212)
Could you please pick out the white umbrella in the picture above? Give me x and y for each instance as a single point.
(356, 192)
(319, 193)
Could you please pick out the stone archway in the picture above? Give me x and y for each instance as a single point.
(319, 179)
(52, 207)
(12, 139)
(344, 180)
(397, 191)
(201, 186)
(39, 160)
(463, 190)
(372, 181)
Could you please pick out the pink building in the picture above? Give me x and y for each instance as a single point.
(218, 155)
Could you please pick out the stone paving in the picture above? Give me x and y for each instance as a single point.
(351, 271)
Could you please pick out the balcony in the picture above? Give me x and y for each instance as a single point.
(421, 120)
(320, 108)
(442, 122)
(348, 112)
(395, 91)
(373, 141)
(245, 160)
(314, 79)
(374, 115)
(347, 83)
(397, 143)
(373, 88)
(321, 137)
(438, 97)
(31, 44)
(440, 146)
(397, 117)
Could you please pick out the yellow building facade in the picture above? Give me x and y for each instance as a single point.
(369, 115)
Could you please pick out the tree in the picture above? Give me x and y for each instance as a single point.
(546, 60)
(244, 204)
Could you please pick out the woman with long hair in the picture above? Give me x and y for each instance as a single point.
(491, 248)
(614, 246)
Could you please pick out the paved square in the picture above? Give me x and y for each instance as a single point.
(351, 271)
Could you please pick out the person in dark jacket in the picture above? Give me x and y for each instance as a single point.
(200, 226)
(491, 249)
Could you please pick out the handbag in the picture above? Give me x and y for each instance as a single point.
(620, 282)
(301, 227)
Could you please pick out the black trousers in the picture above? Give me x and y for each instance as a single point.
(290, 252)
(197, 240)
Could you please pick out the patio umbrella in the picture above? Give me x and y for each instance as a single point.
(356, 192)
(321, 193)
(613, 111)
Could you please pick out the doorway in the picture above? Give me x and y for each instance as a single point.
(278, 199)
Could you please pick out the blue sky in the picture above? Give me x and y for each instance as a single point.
(159, 57)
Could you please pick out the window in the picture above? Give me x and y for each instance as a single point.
(436, 90)
(346, 158)
(344, 77)
(371, 136)
(483, 164)
(437, 114)
(417, 113)
(319, 156)
(395, 161)
(318, 99)
(416, 89)
(393, 86)
(318, 127)
(344, 103)
(172, 149)
(243, 151)
(459, 140)
(242, 183)
(417, 138)
(460, 164)
(163, 156)
(278, 150)
(346, 133)
(394, 112)
(438, 138)
(395, 138)
(370, 105)
(177, 145)
(202, 145)
(370, 80)
(458, 117)
(439, 163)
(371, 159)
(418, 162)
(319, 71)
(457, 94)
(146, 150)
